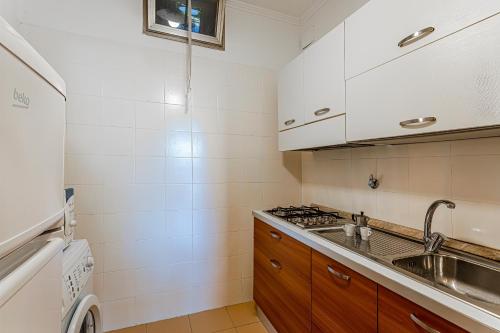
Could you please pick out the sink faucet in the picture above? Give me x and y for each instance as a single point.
(433, 241)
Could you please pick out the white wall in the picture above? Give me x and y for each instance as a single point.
(325, 18)
(250, 39)
(8, 10)
(411, 178)
(164, 195)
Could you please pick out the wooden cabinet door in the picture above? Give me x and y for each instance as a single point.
(282, 280)
(324, 80)
(291, 95)
(449, 85)
(374, 31)
(396, 314)
(343, 301)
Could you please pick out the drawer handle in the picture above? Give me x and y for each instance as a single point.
(416, 36)
(321, 112)
(275, 235)
(275, 263)
(422, 325)
(289, 122)
(338, 274)
(418, 122)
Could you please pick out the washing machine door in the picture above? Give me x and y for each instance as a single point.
(87, 316)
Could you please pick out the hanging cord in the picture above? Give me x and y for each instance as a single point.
(189, 59)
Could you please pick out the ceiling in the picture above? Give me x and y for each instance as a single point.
(289, 7)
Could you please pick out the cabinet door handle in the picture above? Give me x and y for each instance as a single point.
(321, 112)
(423, 325)
(416, 36)
(275, 235)
(418, 122)
(337, 274)
(275, 263)
(289, 122)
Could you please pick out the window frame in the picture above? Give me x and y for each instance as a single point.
(152, 28)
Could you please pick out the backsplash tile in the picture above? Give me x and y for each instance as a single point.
(476, 178)
(411, 178)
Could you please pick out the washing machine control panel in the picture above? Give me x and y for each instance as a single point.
(78, 265)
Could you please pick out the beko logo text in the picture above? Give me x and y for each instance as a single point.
(21, 100)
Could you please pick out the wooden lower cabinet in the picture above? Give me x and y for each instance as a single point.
(396, 314)
(282, 289)
(343, 301)
(301, 290)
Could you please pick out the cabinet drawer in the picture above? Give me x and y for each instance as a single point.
(399, 315)
(342, 300)
(283, 295)
(290, 252)
(328, 132)
(374, 31)
(452, 82)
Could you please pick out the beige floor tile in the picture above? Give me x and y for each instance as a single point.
(252, 328)
(243, 314)
(174, 325)
(135, 329)
(210, 321)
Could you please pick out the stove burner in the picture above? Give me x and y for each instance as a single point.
(306, 217)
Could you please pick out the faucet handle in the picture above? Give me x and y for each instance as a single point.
(435, 242)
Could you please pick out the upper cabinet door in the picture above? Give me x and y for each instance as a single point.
(291, 95)
(452, 84)
(324, 79)
(383, 30)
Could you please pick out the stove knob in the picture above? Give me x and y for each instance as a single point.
(72, 224)
(90, 262)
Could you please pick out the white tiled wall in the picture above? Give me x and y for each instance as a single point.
(411, 178)
(164, 192)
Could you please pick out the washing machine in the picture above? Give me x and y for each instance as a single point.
(81, 309)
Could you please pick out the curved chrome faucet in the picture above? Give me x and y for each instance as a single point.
(433, 241)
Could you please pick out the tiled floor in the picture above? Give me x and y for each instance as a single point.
(240, 318)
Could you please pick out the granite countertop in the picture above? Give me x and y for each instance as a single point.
(466, 315)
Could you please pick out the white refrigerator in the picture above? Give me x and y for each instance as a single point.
(32, 126)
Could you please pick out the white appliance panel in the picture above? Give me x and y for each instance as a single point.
(30, 296)
(32, 127)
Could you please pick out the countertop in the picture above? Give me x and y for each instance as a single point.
(470, 317)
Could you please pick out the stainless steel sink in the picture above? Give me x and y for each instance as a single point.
(475, 280)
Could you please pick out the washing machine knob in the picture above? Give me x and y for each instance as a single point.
(90, 262)
(72, 223)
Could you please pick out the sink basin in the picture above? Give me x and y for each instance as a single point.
(475, 280)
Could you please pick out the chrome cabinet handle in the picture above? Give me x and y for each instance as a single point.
(338, 274)
(321, 112)
(275, 235)
(422, 325)
(418, 122)
(289, 122)
(416, 36)
(275, 263)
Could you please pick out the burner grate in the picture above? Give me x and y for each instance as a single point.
(305, 216)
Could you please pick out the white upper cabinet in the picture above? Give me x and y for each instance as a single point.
(451, 84)
(384, 30)
(291, 95)
(324, 82)
(328, 132)
(311, 96)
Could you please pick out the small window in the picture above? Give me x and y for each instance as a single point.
(169, 19)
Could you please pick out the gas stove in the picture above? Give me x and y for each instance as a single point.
(306, 217)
